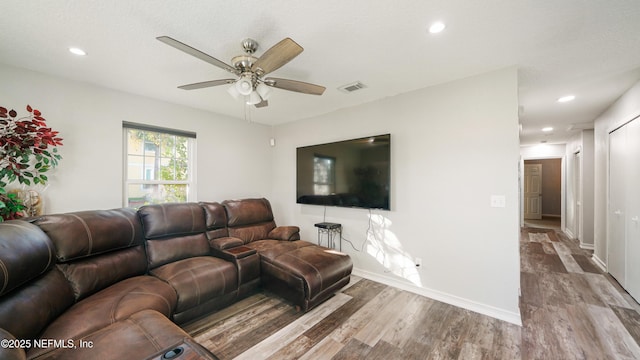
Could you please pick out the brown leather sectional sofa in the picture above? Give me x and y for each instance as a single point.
(115, 284)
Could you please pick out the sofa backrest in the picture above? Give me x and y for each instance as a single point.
(32, 291)
(249, 219)
(96, 249)
(174, 232)
(216, 220)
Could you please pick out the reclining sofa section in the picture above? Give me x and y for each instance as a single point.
(121, 280)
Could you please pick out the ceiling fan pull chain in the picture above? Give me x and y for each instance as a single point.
(247, 112)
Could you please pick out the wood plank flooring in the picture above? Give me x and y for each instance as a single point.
(570, 310)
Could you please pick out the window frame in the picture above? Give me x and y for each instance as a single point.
(190, 180)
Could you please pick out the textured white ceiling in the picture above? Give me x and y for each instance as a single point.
(588, 48)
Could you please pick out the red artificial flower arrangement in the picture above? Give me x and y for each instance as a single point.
(27, 151)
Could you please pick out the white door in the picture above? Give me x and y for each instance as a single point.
(533, 191)
(616, 244)
(633, 209)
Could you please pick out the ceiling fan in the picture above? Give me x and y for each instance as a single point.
(250, 84)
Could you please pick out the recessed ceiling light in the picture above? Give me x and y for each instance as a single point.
(77, 51)
(547, 129)
(567, 98)
(437, 27)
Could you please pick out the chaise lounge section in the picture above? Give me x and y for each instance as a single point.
(130, 278)
(297, 270)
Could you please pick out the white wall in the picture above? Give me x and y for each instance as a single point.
(543, 151)
(622, 111)
(573, 147)
(580, 186)
(588, 196)
(233, 157)
(453, 146)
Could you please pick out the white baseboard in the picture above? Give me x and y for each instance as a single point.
(586, 246)
(601, 264)
(484, 309)
(568, 233)
(551, 216)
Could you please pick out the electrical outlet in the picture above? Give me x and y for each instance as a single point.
(418, 262)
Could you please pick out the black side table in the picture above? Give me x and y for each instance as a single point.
(331, 230)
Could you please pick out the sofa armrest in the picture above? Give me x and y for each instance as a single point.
(288, 233)
(224, 243)
(234, 254)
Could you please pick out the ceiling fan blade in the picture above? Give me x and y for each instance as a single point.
(197, 53)
(278, 55)
(262, 103)
(206, 84)
(293, 85)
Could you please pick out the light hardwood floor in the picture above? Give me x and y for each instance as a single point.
(570, 310)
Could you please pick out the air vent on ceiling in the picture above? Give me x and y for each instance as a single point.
(352, 87)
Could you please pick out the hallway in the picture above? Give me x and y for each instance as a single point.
(570, 309)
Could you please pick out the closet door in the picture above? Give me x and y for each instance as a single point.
(616, 247)
(633, 209)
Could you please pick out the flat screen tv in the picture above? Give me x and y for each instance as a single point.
(350, 173)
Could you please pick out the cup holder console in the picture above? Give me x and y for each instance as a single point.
(173, 353)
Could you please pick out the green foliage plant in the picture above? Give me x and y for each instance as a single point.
(10, 205)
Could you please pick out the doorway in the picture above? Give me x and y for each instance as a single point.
(577, 197)
(550, 193)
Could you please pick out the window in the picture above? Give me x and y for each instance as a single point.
(324, 175)
(158, 165)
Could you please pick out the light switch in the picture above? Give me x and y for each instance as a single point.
(498, 201)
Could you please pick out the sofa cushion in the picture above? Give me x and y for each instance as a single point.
(320, 267)
(164, 251)
(86, 233)
(117, 302)
(173, 232)
(216, 220)
(88, 276)
(198, 279)
(249, 219)
(271, 249)
(26, 311)
(300, 271)
(171, 220)
(247, 211)
(32, 291)
(96, 249)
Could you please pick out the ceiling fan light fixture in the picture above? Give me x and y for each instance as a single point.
(244, 86)
(264, 91)
(233, 92)
(253, 98)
